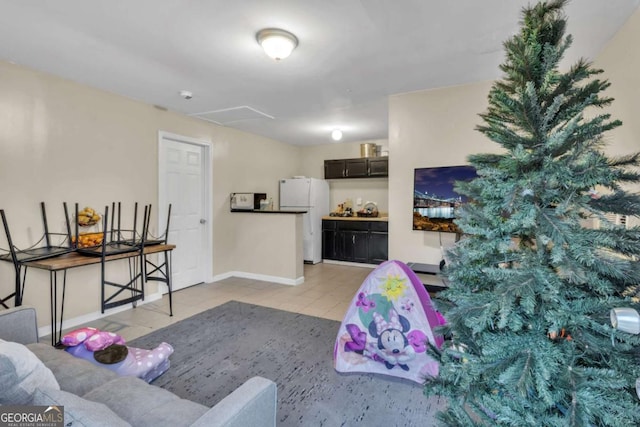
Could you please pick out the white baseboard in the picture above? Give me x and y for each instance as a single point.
(90, 317)
(263, 277)
(350, 264)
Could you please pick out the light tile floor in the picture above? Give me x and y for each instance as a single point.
(326, 292)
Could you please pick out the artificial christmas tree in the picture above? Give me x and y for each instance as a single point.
(532, 281)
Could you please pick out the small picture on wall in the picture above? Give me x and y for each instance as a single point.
(435, 201)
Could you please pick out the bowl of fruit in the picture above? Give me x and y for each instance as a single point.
(87, 217)
(87, 240)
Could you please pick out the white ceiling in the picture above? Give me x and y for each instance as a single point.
(351, 55)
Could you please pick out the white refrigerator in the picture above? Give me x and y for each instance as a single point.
(312, 195)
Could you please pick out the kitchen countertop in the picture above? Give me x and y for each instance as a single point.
(268, 211)
(356, 218)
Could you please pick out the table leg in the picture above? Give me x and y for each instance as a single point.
(167, 261)
(18, 288)
(165, 275)
(53, 290)
(56, 332)
(20, 293)
(133, 281)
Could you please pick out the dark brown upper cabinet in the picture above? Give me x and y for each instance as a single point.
(364, 167)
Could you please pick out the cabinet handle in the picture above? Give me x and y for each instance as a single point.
(353, 239)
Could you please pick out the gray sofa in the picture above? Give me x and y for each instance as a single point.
(95, 396)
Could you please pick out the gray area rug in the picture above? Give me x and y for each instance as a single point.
(219, 349)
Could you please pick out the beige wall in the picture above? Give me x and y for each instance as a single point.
(368, 189)
(620, 60)
(269, 253)
(436, 128)
(428, 128)
(61, 141)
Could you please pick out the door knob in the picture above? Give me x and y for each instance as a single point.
(203, 221)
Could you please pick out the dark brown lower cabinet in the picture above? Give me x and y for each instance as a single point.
(355, 241)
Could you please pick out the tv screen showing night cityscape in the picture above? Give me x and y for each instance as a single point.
(434, 200)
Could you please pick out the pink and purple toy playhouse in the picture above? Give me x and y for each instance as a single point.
(388, 325)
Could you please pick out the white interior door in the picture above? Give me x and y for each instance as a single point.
(184, 171)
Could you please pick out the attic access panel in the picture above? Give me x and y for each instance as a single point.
(231, 115)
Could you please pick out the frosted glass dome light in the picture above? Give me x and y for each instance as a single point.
(336, 135)
(277, 43)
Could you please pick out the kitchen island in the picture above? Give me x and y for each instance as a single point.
(271, 245)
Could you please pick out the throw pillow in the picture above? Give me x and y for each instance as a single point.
(103, 339)
(21, 372)
(78, 411)
(78, 336)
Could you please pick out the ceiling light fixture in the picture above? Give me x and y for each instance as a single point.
(336, 135)
(277, 43)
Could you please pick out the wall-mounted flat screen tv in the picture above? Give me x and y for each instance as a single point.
(435, 202)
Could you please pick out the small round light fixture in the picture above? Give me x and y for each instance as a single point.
(277, 43)
(186, 94)
(336, 135)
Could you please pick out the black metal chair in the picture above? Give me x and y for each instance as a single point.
(160, 272)
(136, 268)
(110, 245)
(124, 235)
(156, 240)
(20, 256)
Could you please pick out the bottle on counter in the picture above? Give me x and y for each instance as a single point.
(348, 207)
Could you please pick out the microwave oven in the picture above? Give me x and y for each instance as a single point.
(246, 201)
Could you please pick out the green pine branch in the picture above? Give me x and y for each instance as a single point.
(531, 284)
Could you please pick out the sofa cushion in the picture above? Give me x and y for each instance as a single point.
(74, 375)
(141, 404)
(21, 372)
(78, 411)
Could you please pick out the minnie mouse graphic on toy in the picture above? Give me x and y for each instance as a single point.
(391, 345)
